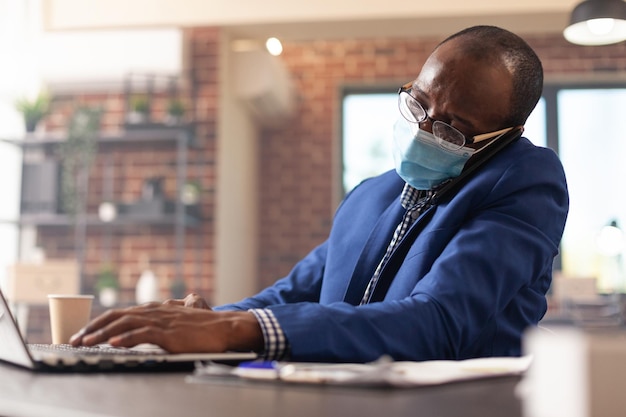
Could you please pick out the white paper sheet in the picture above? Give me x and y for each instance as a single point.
(380, 373)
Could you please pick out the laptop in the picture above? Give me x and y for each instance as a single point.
(60, 358)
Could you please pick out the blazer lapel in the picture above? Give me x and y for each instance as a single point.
(373, 252)
(397, 258)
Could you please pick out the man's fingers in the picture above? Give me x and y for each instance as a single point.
(147, 334)
(195, 301)
(174, 302)
(191, 300)
(148, 305)
(100, 332)
(97, 323)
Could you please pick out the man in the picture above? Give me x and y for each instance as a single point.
(447, 257)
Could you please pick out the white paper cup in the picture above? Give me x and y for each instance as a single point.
(68, 314)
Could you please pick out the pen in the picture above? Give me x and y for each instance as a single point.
(258, 370)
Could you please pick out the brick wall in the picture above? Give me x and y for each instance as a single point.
(298, 177)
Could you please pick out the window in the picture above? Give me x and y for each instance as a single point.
(368, 120)
(15, 79)
(592, 147)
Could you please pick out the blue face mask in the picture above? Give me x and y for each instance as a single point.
(419, 159)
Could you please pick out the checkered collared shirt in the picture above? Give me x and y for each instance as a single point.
(276, 345)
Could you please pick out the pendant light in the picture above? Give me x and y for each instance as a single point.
(597, 22)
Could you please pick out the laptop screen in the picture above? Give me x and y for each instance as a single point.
(12, 346)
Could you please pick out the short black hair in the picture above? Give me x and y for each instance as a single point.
(494, 44)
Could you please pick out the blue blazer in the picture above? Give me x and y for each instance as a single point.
(475, 274)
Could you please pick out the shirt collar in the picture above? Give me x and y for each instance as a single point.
(411, 196)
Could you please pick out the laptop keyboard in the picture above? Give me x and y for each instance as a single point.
(97, 350)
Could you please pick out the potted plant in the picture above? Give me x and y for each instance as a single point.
(190, 193)
(139, 109)
(77, 154)
(175, 111)
(33, 110)
(107, 286)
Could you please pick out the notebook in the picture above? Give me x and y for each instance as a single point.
(46, 357)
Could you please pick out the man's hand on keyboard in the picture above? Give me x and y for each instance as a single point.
(175, 328)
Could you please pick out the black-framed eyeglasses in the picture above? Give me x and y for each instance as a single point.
(447, 136)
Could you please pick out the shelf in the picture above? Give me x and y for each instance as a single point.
(171, 216)
(148, 133)
(142, 216)
(62, 220)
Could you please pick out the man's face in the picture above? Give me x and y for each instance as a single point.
(470, 95)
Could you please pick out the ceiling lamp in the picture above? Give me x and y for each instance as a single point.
(274, 46)
(597, 22)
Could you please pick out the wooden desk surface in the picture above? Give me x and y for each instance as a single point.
(23, 393)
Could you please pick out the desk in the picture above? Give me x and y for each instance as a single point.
(23, 393)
